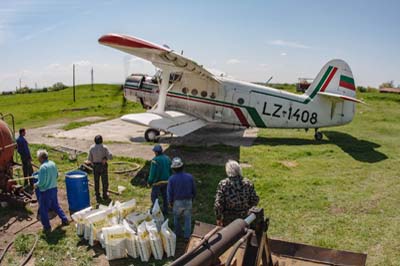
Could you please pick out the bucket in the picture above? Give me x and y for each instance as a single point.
(77, 190)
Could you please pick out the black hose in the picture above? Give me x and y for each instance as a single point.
(27, 258)
(5, 250)
(236, 247)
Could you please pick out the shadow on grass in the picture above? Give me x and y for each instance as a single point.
(289, 141)
(140, 179)
(360, 150)
(55, 236)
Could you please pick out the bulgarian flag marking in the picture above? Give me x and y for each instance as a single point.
(347, 82)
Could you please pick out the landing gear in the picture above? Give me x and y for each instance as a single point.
(318, 135)
(152, 135)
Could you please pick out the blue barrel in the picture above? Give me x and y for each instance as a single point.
(77, 190)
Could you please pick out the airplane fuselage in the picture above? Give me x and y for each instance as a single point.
(243, 104)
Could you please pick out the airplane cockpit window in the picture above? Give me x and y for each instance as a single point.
(194, 92)
(203, 94)
(173, 77)
(185, 90)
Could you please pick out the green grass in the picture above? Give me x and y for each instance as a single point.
(39, 109)
(341, 192)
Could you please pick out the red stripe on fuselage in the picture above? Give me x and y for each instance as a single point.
(237, 111)
(347, 85)
(328, 80)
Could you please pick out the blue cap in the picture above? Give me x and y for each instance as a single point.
(157, 148)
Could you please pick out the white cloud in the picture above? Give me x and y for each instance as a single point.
(233, 61)
(263, 65)
(283, 54)
(288, 44)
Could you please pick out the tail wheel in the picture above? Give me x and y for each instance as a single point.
(318, 135)
(152, 135)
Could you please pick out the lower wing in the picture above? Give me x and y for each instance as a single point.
(177, 123)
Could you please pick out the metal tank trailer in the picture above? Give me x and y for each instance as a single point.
(10, 191)
(244, 242)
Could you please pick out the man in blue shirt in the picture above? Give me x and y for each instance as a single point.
(181, 192)
(47, 185)
(25, 153)
(160, 171)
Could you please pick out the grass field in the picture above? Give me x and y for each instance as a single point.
(342, 192)
(38, 109)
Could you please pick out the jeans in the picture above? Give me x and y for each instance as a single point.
(156, 190)
(48, 200)
(183, 207)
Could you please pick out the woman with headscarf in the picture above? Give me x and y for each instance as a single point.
(235, 195)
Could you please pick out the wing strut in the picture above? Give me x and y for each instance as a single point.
(162, 96)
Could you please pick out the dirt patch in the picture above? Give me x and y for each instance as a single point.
(125, 139)
(289, 164)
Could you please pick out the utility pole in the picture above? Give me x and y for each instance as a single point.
(73, 80)
(92, 77)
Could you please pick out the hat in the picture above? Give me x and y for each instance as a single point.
(176, 163)
(157, 148)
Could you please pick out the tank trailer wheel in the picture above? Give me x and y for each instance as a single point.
(152, 135)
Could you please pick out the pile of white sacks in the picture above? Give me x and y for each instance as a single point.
(124, 232)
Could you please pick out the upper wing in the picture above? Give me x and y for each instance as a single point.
(177, 123)
(162, 57)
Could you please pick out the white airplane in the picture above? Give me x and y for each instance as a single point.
(184, 96)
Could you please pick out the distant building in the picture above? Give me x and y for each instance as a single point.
(389, 90)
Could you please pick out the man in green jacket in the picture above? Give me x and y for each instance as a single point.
(160, 171)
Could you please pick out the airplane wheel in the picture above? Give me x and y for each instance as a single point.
(318, 135)
(151, 135)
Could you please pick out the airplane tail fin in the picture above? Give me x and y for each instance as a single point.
(334, 78)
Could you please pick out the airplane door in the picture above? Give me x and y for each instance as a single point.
(237, 98)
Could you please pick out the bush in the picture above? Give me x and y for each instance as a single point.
(361, 89)
(57, 87)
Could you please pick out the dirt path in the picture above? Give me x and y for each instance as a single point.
(125, 139)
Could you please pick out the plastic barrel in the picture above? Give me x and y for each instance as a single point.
(77, 190)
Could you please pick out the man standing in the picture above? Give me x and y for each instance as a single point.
(235, 195)
(181, 192)
(160, 171)
(25, 153)
(47, 185)
(98, 157)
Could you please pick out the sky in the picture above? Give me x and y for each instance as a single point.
(250, 40)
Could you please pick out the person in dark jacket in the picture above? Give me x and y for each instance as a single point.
(25, 154)
(181, 192)
(160, 171)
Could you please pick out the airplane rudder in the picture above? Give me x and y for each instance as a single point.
(335, 77)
